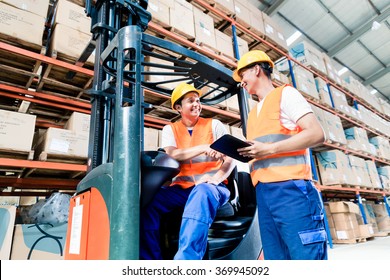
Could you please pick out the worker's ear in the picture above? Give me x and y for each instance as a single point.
(178, 107)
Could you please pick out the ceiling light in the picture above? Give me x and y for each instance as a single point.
(342, 71)
(375, 25)
(373, 91)
(293, 37)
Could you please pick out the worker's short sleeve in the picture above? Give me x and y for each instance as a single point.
(167, 137)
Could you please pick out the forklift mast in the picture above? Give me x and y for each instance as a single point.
(122, 57)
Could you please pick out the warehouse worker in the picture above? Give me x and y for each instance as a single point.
(280, 130)
(200, 185)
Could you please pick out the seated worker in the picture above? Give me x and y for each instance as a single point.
(200, 185)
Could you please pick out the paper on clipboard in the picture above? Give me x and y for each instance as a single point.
(228, 145)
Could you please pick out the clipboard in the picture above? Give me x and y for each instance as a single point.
(228, 145)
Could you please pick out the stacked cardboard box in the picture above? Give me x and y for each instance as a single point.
(384, 175)
(373, 174)
(323, 92)
(358, 89)
(357, 140)
(370, 216)
(224, 43)
(39, 242)
(382, 217)
(345, 222)
(23, 21)
(159, 11)
(274, 33)
(71, 142)
(334, 168)
(242, 13)
(280, 77)
(308, 55)
(16, 131)
(361, 177)
(382, 146)
(151, 139)
(257, 21)
(7, 222)
(305, 82)
(374, 121)
(179, 10)
(331, 125)
(331, 70)
(71, 32)
(204, 29)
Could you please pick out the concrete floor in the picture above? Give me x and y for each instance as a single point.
(377, 248)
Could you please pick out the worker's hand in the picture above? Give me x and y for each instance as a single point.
(214, 154)
(257, 149)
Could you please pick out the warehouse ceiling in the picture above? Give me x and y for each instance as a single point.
(355, 33)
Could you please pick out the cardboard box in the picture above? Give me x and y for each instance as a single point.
(366, 230)
(274, 32)
(7, 222)
(224, 43)
(242, 13)
(227, 6)
(256, 20)
(70, 43)
(343, 207)
(308, 55)
(373, 174)
(73, 16)
(151, 141)
(305, 82)
(44, 243)
(335, 127)
(16, 130)
(159, 11)
(334, 167)
(179, 12)
(38, 7)
(323, 91)
(242, 46)
(361, 177)
(57, 141)
(78, 122)
(204, 29)
(29, 29)
(346, 226)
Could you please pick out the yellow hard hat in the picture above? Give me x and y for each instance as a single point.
(181, 90)
(248, 59)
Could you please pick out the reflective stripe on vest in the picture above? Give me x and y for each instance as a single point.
(192, 170)
(192, 178)
(266, 127)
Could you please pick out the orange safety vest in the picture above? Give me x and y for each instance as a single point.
(193, 169)
(267, 128)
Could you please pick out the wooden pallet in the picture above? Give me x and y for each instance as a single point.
(45, 156)
(26, 155)
(381, 234)
(350, 241)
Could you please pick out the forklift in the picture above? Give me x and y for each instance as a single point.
(122, 177)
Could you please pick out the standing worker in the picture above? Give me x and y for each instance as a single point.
(200, 185)
(280, 130)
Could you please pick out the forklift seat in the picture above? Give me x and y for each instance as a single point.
(157, 167)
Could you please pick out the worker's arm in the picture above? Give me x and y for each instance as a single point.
(222, 174)
(311, 135)
(189, 153)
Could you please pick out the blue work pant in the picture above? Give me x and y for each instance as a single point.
(200, 203)
(291, 219)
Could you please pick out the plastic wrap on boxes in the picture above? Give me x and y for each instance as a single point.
(53, 210)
